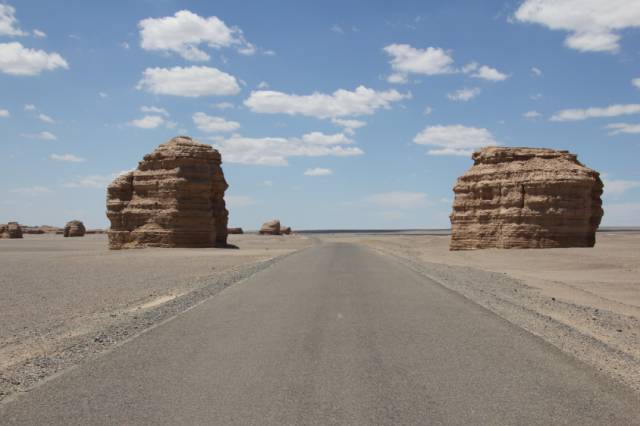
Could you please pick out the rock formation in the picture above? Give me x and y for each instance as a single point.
(34, 230)
(271, 227)
(525, 198)
(235, 231)
(173, 199)
(285, 230)
(11, 230)
(74, 228)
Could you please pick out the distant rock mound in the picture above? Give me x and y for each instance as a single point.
(525, 198)
(11, 230)
(285, 230)
(74, 228)
(271, 227)
(235, 231)
(175, 198)
(33, 230)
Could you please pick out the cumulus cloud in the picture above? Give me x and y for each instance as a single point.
(148, 122)
(154, 110)
(67, 157)
(536, 72)
(223, 105)
(318, 171)
(454, 139)
(464, 95)
(92, 181)
(398, 199)
(531, 115)
(406, 59)
(341, 103)
(8, 22)
(15, 59)
(593, 25)
(45, 118)
(45, 136)
(618, 187)
(209, 124)
(319, 138)
(274, 151)
(617, 128)
(636, 83)
(349, 126)
(189, 82)
(32, 191)
(39, 34)
(185, 32)
(30, 107)
(594, 112)
(4, 113)
(488, 73)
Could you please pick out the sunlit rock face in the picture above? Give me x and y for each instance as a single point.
(74, 228)
(10, 230)
(175, 198)
(526, 198)
(271, 227)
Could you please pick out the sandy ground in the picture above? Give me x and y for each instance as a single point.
(586, 301)
(53, 289)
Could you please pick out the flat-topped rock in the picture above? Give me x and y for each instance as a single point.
(175, 198)
(11, 230)
(271, 227)
(74, 228)
(526, 198)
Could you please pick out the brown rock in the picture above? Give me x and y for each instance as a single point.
(271, 227)
(235, 231)
(74, 228)
(95, 231)
(286, 230)
(11, 230)
(525, 198)
(173, 199)
(33, 230)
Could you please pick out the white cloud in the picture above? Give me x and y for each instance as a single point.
(536, 72)
(45, 136)
(45, 118)
(617, 128)
(454, 139)
(531, 115)
(32, 191)
(406, 59)
(274, 151)
(337, 29)
(341, 103)
(263, 85)
(398, 199)
(67, 157)
(30, 107)
(536, 96)
(39, 34)
(319, 138)
(593, 112)
(427, 111)
(125, 45)
(209, 124)
(8, 22)
(154, 110)
(239, 201)
(103, 95)
(464, 95)
(618, 187)
(224, 105)
(184, 33)
(190, 82)
(349, 126)
(148, 122)
(636, 82)
(92, 181)
(16, 59)
(593, 25)
(4, 113)
(398, 78)
(488, 73)
(318, 171)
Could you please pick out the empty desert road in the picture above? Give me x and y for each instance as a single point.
(335, 334)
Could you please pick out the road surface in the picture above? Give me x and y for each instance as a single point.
(335, 334)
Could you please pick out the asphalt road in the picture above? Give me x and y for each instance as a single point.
(335, 334)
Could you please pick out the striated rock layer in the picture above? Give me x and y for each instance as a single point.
(525, 198)
(175, 198)
(11, 230)
(74, 228)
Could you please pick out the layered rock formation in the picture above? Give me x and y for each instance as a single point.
(235, 231)
(271, 227)
(74, 228)
(11, 230)
(526, 198)
(175, 198)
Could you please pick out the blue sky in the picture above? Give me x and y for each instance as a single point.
(329, 114)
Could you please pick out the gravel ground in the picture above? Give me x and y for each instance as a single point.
(575, 322)
(63, 300)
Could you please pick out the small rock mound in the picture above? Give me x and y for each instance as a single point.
(235, 231)
(525, 198)
(74, 228)
(11, 230)
(271, 227)
(285, 230)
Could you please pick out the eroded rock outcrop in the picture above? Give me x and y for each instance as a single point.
(271, 227)
(10, 230)
(235, 231)
(526, 198)
(74, 228)
(285, 230)
(175, 198)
